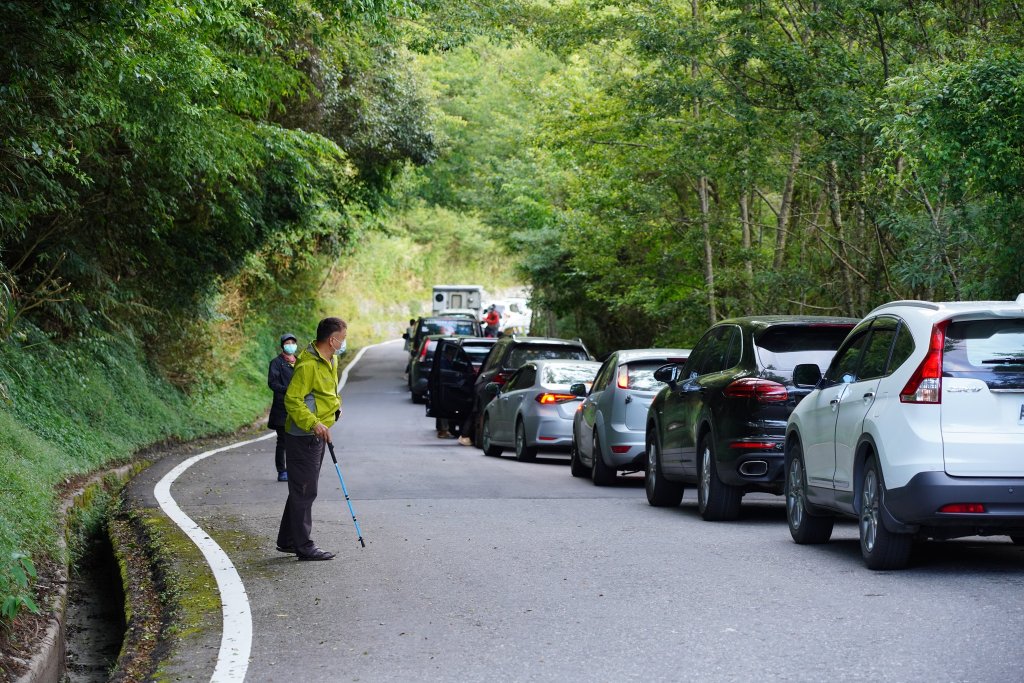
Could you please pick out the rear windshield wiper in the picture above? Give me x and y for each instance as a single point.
(1003, 361)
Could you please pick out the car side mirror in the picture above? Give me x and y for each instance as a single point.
(492, 389)
(806, 375)
(669, 374)
(578, 389)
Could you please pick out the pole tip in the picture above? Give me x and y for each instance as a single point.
(361, 542)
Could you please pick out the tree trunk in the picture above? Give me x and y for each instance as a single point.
(785, 208)
(709, 253)
(835, 211)
(748, 262)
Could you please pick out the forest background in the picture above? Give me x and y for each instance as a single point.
(182, 181)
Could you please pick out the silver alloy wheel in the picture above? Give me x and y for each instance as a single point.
(485, 438)
(795, 494)
(869, 511)
(652, 465)
(520, 438)
(705, 475)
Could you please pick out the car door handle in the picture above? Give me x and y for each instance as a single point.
(834, 402)
(868, 396)
(629, 399)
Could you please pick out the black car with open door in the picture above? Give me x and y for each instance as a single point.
(457, 361)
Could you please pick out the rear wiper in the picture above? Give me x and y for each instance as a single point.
(1003, 361)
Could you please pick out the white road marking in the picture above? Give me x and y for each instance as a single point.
(236, 637)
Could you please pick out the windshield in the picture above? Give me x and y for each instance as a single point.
(564, 374)
(783, 347)
(463, 326)
(526, 353)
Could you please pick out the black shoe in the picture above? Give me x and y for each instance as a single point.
(316, 556)
(286, 549)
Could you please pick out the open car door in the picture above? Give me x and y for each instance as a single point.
(450, 386)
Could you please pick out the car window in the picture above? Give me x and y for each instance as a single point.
(526, 352)
(476, 353)
(722, 349)
(640, 375)
(604, 375)
(991, 350)
(523, 379)
(495, 357)
(565, 374)
(879, 346)
(902, 348)
(700, 350)
(462, 326)
(844, 367)
(780, 348)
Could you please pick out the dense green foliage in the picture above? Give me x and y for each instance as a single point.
(682, 161)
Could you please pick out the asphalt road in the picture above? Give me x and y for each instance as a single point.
(489, 569)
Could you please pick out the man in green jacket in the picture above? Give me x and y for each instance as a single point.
(313, 405)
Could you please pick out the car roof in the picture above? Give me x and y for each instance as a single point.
(561, 361)
(519, 339)
(947, 309)
(763, 322)
(630, 355)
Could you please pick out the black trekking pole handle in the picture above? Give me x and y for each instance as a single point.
(359, 533)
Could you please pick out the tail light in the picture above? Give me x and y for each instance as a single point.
(548, 398)
(761, 390)
(423, 350)
(500, 378)
(925, 385)
(621, 449)
(622, 380)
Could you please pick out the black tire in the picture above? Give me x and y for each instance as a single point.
(881, 548)
(805, 527)
(600, 473)
(716, 501)
(489, 449)
(418, 399)
(660, 491)
(524, 453)
(577, 468)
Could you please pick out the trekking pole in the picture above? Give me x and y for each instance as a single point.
(344, 490)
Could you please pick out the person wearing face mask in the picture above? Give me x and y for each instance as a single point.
(312, 405)
(278, 377)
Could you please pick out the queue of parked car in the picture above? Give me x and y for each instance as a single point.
(910, 421)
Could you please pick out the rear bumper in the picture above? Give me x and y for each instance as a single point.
(760, 469)
(916, 505)
(621, 437)
(553, 432)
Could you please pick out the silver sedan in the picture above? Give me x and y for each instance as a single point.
(534, 409)
(609, 429)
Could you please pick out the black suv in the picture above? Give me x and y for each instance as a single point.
(459, 394)
(721, 421)
(440, 325)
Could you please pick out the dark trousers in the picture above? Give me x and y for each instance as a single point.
(279, 451)
(305, 455)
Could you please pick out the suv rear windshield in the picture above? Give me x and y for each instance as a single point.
(527, 352)
(783, 347)
(476, 352)
(990, 350)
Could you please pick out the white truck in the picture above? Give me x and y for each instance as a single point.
(466, 297)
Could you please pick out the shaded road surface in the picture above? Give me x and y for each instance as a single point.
(482, 569)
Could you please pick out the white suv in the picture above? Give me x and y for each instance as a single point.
(916, 429)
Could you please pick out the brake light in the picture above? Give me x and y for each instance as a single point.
(500, 378)
(423, 350)
(548, 398)
(622, 381)
(755, 445)
(925, 385)
(974, 508)
(761, 390)
(620, 449)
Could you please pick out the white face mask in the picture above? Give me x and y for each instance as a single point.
(291, 348)
(341, 349)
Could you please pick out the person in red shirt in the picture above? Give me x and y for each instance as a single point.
(491, 320)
